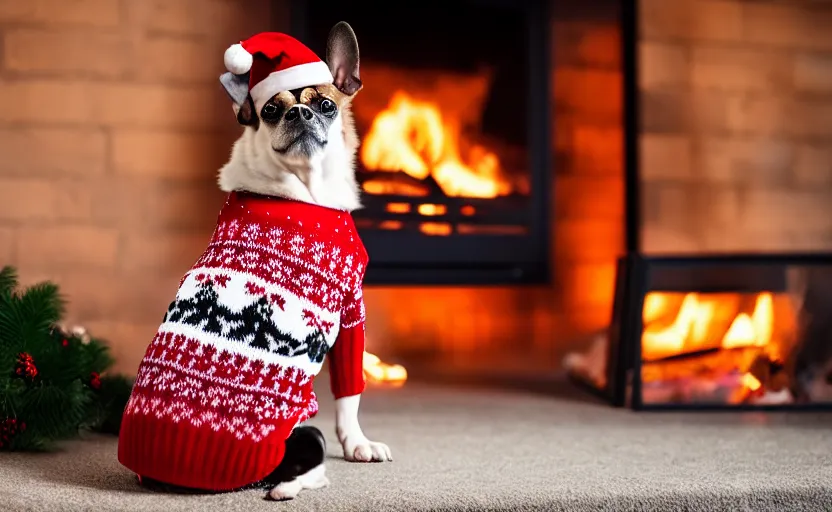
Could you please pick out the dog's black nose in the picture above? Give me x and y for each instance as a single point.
(296, 112)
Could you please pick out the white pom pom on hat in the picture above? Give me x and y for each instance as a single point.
(237, 60)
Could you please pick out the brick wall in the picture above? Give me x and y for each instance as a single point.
(736, 110)
(112, 128)
(113, 125)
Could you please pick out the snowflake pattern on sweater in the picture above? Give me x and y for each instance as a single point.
(277, 290)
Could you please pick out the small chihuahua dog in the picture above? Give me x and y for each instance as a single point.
(225, 387)
(301, 144)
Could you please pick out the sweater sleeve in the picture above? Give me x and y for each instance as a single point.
(346, 358)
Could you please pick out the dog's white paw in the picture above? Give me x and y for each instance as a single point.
(361, 449)
(315, 478)
(286, 490)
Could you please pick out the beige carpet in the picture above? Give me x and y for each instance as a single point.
(466, 449)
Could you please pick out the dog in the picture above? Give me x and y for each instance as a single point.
(312, 161)
(297, 151)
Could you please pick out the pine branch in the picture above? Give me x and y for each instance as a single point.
(8, 280)
(54, 398)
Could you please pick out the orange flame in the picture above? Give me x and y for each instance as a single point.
(693, 324)
(413, 137)
(377, 371)
(699, 322)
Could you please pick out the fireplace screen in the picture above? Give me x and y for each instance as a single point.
(739, 331)
(453, 162)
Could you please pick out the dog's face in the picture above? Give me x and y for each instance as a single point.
(300, 124)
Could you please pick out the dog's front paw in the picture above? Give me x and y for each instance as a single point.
(361, 449)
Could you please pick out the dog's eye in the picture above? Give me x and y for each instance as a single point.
(269, 112)
(328, 107)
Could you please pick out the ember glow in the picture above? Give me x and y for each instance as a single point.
(375, 370)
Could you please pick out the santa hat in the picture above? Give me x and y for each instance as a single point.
(275, 62)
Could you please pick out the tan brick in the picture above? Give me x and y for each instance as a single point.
(150, 204)
(202, 17)
(162, 251)
(8, 237)
(691, 19)
(169, 154)
(714, 204)
(740, 69)
(97, 54)
(809, 118)
(663, 64)
(137, 105)
(788, 24)
(665, 157)
(778, 210)
(43, 199)
(114, 104)
(175, 59)
(23, 101)
(668, 204)
(710, 110)
(813, 73)
(594, 94)
(665, 110)
(731, 239)
(743, 160)
(761, 115)
(52, 151)
(127, 341)
(658, 239)
(813, 165)
(136, 297)
(589, 198)
(67, 246)
(96, 13)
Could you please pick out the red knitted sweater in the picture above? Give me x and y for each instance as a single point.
(229, 373)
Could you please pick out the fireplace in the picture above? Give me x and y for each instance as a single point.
(453, 121)
(715, 332)
(722, 297)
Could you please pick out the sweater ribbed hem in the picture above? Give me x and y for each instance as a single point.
(176, 454)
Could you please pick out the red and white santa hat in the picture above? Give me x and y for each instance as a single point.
(276, 62)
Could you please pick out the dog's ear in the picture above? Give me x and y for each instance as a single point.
(342, 58)
(236, 86)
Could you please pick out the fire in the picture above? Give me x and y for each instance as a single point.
(414, 137)
(693, 326)
(377, 371)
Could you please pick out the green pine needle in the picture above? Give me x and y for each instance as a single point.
(8, 280)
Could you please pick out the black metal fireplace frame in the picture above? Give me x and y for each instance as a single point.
(624, 356)
(411, 258)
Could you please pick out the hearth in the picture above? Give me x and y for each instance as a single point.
(454, 122)
(738, 331)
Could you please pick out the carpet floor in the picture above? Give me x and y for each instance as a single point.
(458, 448)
